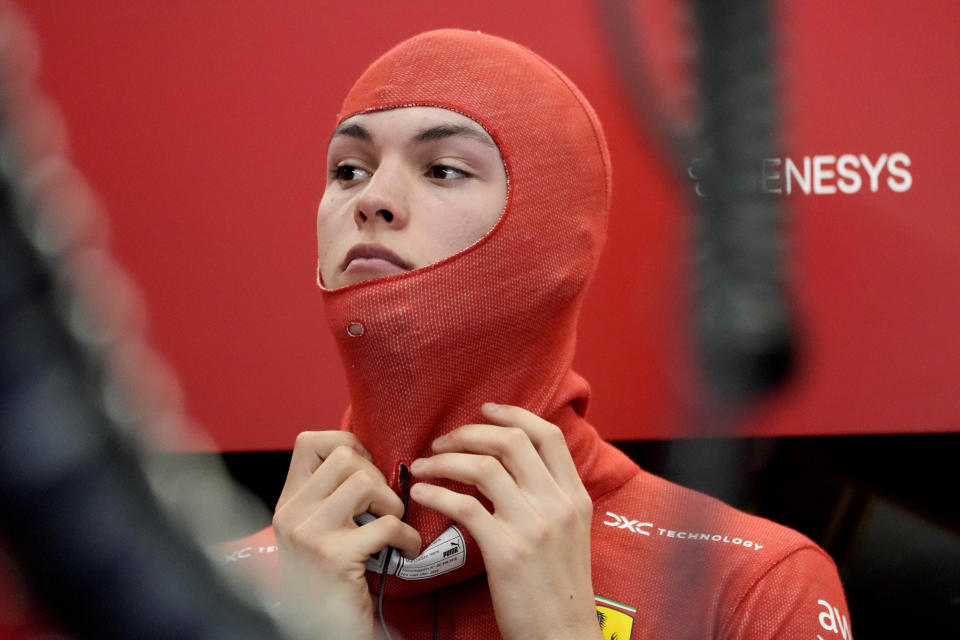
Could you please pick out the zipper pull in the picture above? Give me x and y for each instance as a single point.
(404, 489)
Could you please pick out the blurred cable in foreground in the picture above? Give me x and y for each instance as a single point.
(700, 75)
(744, 325)
(80, 509)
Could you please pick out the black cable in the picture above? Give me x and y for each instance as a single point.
(388, 556)
(77, 509)
(744, 332)
(383, 584)
(744, 327)
(75, 505)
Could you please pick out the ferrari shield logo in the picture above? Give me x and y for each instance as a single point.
(616, 619)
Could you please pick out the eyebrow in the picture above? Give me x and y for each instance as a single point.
(442, 131)
(353, 131)
(430, 134)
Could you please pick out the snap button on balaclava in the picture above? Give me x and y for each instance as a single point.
(355, 329)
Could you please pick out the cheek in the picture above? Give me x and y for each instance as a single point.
(464, 220)
(329, 230)
(484, 212)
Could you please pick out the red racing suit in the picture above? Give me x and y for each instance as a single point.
(667, 563)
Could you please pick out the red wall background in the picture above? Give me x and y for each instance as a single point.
(202, 126)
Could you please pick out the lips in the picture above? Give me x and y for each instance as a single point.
(372, 255)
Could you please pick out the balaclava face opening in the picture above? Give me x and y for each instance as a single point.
(423, 350)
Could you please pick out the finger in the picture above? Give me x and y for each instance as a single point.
(484, 472)
(462, 509)
(547, 438)
(310, 449)
(342, 463)
(359, 493)
(511, 446)
(355, 543)
(388, 531)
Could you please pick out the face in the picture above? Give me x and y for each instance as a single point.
(405, 188)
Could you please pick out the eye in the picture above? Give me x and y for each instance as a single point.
(348, 173)
(446, 172)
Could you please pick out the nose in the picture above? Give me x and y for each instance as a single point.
(383, 199)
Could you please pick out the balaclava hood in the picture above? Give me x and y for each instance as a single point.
(423, 350)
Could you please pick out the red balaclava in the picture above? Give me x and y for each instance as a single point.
(423, 350)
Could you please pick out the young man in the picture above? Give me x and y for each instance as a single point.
(464, 213)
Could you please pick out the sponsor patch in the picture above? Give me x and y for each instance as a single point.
(833, 620)
(710, 537)
(446, 553)
(616, 619)
(846, 173)
(249, 552)
(632, 525)
(623, 522)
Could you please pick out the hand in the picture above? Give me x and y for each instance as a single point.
(322, 550)
(536, 543)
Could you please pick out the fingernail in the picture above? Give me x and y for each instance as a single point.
(437, 442)
(416, 465)
(491, 407)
